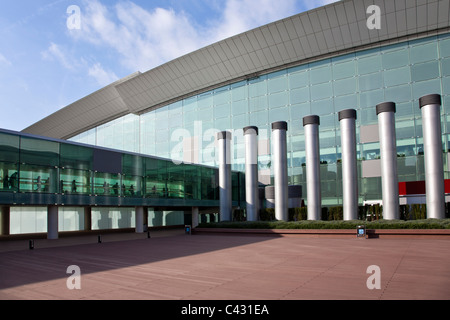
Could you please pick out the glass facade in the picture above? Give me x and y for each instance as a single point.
(37, 172)
(39, 166)
(401, 73)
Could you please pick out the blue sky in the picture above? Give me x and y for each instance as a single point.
(45, 65)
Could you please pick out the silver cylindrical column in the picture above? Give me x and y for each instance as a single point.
(349, 165)
(313, 190)
(251, 172)
(279, 157)
(225, 184)
(430, 106)
(388, 152)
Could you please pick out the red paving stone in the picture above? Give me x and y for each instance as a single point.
(176, 266)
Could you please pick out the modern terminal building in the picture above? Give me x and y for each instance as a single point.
(344, 105)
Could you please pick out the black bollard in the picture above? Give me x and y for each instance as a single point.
(31, 244)
(148, 234)
(99, 239)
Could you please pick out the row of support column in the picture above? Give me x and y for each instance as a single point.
(432, 137)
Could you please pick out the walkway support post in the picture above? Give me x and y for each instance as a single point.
(313, 190)
(430, 106)
(225, 183)
(279, 157)
(52, 222)
(139, 217)
(251, 172)
(347, 120)
(388, 152)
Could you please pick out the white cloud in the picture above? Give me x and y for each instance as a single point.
(55, 52)
(241, 15)
(102, 76)
(145, 39)
(4, 62)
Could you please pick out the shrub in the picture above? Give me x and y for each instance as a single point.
(297, 214)
(336, 213)
(267, 214)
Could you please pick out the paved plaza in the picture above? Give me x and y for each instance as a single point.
(171, 265)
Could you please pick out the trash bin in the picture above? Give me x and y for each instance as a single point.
(187, 229)
(361, 231)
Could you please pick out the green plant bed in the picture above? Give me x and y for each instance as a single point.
(335, 224)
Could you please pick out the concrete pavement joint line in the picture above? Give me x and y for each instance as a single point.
(395, 271)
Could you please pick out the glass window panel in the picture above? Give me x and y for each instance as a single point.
(222, 123)
(426, 87)
(279, 83)
(406, 147)
(221, 111)
(240, 121)
(239, 107)
(446, 84)
(344, 87)
(327, 138)
(259, 118)
(369, 116)
(162, 135)
(344, 70)
(278, 99)
(371, 81)
(371, 151)
(9, 147)
(190, 104)
(397, 76)
(206, 114)
(404, 110)
(70, 219)
(328, 121)
(299, 79)
(279, 114)
(398, 94)
(371, 98)
(444, 47)
(8, 177)
(322, 107)
(132, 165)
(28, 220)
(76, 157)
(320, 91)
(298, 111)
(327, 156)
(425, 71)
(239, 91)
(221, 96)
(132, 186)
(33, 178)
(445, 67)
(320, 74)
(258, 103)
(395, 59)
(257, 87)
(34, 151)
(369, 64)
(107, 184)
(299, 95)
(423, 52)
(404, 129)
(371, 188)
(72, 181)
(345, 102)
